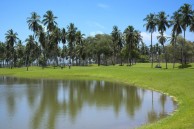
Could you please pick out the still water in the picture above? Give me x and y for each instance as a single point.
(67, 104)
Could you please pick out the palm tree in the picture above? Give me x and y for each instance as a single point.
(192, 24)
(115, 38)
(29, 49)
(162, 39)
(54, 41)
(71, 37)
(20, 53)
(42, 37)
(151, 27)
(162, 23)
(63, 36)
(129, 38)
(120, 46)
(186, 17)
(137, 39)
(2, 52)
(176, 30)
(79, 43)
(33, 22)
(11, 39)
(49, 20)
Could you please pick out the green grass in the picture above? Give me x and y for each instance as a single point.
(175, 82)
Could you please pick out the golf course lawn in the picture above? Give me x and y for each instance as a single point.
(174, 82)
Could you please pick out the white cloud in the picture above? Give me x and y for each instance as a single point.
(104, 6)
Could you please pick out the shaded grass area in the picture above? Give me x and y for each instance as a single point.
(175, 82)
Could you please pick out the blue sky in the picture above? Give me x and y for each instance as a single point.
(89, 16)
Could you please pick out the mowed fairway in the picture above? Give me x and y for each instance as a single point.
(175, 82)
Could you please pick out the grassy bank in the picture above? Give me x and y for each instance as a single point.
(175, 82)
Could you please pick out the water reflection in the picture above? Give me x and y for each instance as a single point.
(52, 104)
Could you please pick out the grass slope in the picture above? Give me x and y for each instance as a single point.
(175, 82)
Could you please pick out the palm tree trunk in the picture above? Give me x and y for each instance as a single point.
(129, 56)
(27, 62)
(165, 56)
(98, 59)
(182, 50)
(151, 51)
(174, 46)
(114, 58)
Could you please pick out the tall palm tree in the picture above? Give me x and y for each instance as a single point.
(176, 30)
(162, 23)
(11, 39)
(2, 52)
(137, 39)
(54, 41)
(186, 17)
(151, 27)
(42, 38)
(49, 20)
(120, 46)
(162, 39)
(29, 49)
(79, 44)
(34, 22)
(71, 37)
(129, 38)
(115, 38)
(50, 23)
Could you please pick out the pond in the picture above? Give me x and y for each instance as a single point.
(76, 104)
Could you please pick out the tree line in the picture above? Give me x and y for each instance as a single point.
(51, 45)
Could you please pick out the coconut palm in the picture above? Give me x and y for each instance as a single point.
(71, 37)
(2, 52)
(63, 36)
(162, 23)
(151, 27)
(11, 39)
(120, 46)
(55, 38)
(162, 39)
(29, 49)
(49, 20)
(79, 44)
(50, 23)
(115, 38)
(34, 22)
(42, 38)
(137, 39)
(176, 30)
(20, 53)
(192, 24)
(129, 38)
(186, 18)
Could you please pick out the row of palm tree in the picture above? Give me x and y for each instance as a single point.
(180, 21)
(75, 38)
(43, 45)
